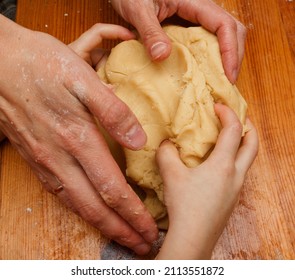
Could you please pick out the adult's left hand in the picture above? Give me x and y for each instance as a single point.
(147, 15)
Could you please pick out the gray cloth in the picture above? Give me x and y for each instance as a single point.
(8, 8)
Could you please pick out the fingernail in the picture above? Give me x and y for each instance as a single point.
(142, 249)
(158, 49)
(136, 137)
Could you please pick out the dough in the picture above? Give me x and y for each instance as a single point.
(172, 100)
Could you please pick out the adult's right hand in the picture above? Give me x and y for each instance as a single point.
(49, 96)
(147, 15)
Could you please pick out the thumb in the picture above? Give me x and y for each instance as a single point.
(155, 40)
(169, 162)
(143, 16)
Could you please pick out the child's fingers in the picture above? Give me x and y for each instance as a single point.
(168, 160)
(229, 139)
(92, 38)
(99, 58)
(248, 149)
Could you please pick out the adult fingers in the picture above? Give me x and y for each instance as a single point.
(61, 174)
(76, 191)
(231, 33)
(249, 148)
(94, 156)
(77, 136)
(87, 202)
(143, 16)
(100, 203)
(86, 144)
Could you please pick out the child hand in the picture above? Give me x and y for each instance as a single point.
(88, 44)
(200, 200)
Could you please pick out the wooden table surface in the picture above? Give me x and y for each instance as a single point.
(34, 224)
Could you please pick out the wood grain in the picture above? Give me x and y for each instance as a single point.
(34, 225)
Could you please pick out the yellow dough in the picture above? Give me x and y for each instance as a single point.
(172, 100)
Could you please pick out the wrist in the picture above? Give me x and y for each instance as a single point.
(188, 240)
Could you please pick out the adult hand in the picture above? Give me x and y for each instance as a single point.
(146, 17)
(208, 193)
(49, 96)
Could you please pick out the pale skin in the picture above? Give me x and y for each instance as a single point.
(49, 95)
(197, 215)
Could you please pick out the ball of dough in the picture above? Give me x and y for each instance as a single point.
(173, 99)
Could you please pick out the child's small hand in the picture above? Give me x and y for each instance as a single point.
(88, 44)
(200, 200)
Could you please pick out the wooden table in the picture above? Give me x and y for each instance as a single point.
(34, 225)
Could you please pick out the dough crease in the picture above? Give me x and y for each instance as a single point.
(174, 100)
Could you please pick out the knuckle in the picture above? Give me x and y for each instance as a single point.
(68, 138)
(236, 128)
(115, 114)
(151, 32)
(97, 25)
(112, 198)
(224, 167)
(227, 168)
(41, 155)
(231, 23)
(90, 213)
(97, 28)
(68, 133)
(73, 136)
